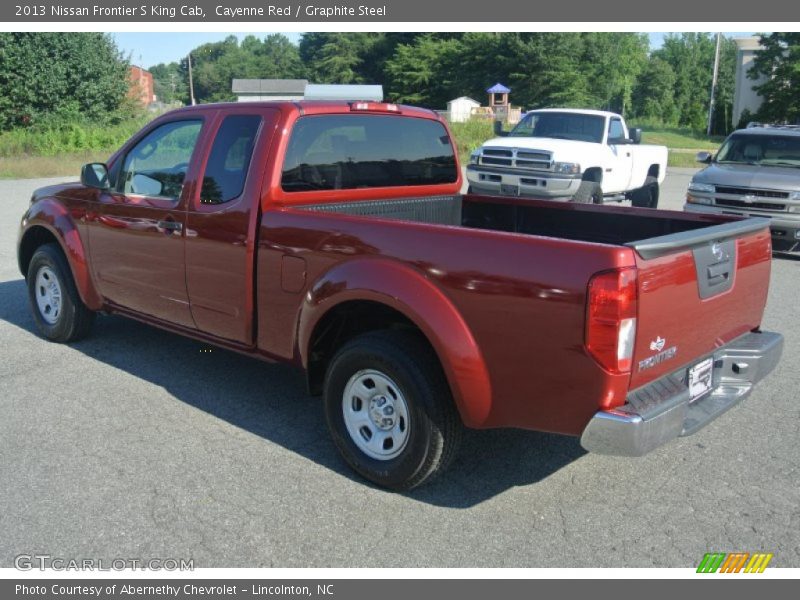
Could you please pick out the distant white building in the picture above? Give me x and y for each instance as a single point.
(255, 90)
(745, 97)
(460, 109)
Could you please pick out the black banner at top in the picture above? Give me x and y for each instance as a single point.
(385, 11)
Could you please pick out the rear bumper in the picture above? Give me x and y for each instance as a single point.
(662, 410)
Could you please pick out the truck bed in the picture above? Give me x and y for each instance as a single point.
(579, 222)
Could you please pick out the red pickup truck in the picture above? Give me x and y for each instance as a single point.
(333, 236)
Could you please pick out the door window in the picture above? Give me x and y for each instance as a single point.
(229, 159)
(615, 131)
(157, 165)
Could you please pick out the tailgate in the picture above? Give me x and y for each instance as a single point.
(697, 291)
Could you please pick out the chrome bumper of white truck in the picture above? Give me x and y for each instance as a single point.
(663, 409)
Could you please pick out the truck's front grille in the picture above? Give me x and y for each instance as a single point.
(751, 192)
(519, 158)
(743, 204)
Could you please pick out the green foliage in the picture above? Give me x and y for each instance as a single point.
(216, 65)
(691, 56)
(60, 77)
(51, 138)
(779, 63)
(653, 97)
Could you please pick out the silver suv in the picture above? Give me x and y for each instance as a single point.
(756, 173)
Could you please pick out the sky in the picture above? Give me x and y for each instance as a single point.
(148, 49)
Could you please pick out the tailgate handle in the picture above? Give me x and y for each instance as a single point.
(719, 273)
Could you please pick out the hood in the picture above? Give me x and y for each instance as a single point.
(554, 145)
(54, 190)
(785, 179)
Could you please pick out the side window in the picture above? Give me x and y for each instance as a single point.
(229, 160)
(157, 165)
(615, 130)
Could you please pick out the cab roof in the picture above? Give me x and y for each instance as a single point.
(318, 107)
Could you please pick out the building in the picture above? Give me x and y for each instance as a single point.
(459, 109)
(254, 90)
(744, 96)
(140, 86)
(336, 91)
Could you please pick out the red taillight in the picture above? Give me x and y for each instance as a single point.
(611, 319)
(375, 107)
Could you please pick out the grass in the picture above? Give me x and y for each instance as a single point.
(64, 164)
(51, 151)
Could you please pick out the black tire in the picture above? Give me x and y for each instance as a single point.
(647, 195)
(73, 320)
(589, 192)
(434, 426)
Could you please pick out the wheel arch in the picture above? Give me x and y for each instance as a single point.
(370, 294)
(46, 222)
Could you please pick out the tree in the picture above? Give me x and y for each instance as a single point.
(60, 76)
(169, 83)
(653, 96)
(691, 56)
(779, 62)
(613, 62)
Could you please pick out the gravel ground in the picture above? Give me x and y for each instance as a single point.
(135, 444)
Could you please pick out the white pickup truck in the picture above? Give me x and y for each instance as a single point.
(586, 156)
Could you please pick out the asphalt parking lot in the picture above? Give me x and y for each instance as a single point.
(136, 444)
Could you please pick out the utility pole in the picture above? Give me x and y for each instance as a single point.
(713, 85)
(191, 83)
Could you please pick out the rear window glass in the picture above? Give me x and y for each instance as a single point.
(229, 159)
(341, 152)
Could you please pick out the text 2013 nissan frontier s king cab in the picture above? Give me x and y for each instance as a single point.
(332, 236)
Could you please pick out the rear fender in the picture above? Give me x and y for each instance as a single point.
(419, 300)
(51, 215)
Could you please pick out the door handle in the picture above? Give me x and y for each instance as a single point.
(170, 226)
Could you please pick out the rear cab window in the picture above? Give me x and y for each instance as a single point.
(341, 152)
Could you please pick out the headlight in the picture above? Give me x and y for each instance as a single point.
(695, 200)
(794, 196)
(473, 158)
(568, 168)
(702, 187)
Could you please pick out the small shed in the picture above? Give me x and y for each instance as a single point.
(254, 90)
(460, 109)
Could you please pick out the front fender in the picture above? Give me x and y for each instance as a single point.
(409, 292)
(53, 216)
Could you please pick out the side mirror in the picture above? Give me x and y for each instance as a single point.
(95, 175)
(704, 157)
(635, 135)
(498, 129)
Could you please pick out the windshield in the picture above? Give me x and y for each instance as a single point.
(562, 126)
(767, 150)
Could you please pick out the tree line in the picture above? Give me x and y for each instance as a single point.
(68, 76)
(614, 71)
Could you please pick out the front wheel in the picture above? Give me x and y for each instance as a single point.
(589, 192)
(389, 409)
(57, 308)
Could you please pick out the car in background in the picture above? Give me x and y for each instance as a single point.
(567, 154)
(756, 173)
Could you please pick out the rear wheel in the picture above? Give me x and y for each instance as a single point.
(389, 409)
(647, 195)
(57, 308)
(589, 192)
